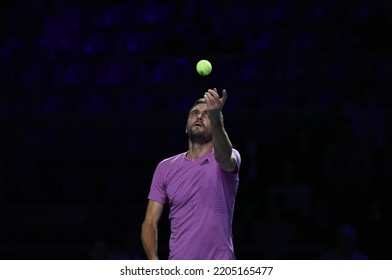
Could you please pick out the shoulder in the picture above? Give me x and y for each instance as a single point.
(236, 154)
(233, 165)
(171, 160)
(165, 166)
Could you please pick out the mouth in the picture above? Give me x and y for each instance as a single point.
(198, 125)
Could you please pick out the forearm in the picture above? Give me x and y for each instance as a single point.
(222, 145)
(150, 240)
(220, 140)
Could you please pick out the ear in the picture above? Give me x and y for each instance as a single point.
(186, 130)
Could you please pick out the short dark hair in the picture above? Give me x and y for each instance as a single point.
(198, 101)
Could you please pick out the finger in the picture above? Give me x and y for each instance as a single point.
(208, 98)
(222, 100)
(214, 94)
(217, 93)
(211, 104)
(224, 95)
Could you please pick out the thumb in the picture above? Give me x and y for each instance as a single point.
(224, 97)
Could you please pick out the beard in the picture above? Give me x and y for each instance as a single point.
(199, 137)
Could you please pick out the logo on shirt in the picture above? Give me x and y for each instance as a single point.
(205, 162)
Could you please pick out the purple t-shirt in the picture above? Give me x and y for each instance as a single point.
(201, 196)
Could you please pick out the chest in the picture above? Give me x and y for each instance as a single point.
(192, 183)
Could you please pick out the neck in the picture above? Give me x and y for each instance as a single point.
(197, 150)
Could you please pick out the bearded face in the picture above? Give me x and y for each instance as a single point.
(198, 125)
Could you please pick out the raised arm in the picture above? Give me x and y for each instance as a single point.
(220, 139)
(150, 229)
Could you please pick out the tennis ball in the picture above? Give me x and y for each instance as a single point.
(204, 67)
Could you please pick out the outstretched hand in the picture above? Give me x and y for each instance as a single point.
(215, 104)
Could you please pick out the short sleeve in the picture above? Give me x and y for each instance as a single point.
(158, 186)
(237, 156)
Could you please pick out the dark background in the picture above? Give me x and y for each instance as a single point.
(94, 94)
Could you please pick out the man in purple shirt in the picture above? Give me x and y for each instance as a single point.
(200, 186)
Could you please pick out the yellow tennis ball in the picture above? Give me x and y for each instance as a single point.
(204, 67)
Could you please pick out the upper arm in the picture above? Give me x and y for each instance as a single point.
(230, 165)
(154, 212)
(233, 164)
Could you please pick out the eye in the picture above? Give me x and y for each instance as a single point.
(196, 113)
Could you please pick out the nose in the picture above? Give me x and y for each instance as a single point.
(201, 115)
